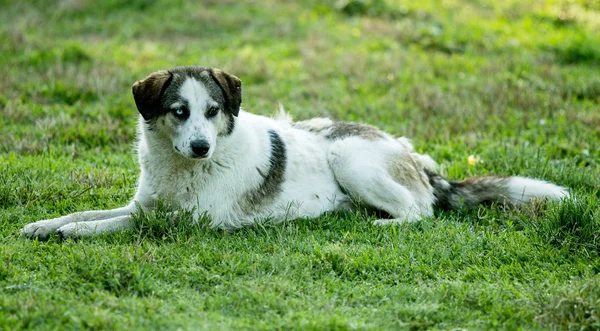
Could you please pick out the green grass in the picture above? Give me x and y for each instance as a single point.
(515, 83)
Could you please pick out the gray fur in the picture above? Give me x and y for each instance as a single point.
(340, 130)
(468, 193)
(272, 179)
(314, 125)
(404, 170)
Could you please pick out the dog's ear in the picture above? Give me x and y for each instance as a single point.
(147, 93)
(232, 90)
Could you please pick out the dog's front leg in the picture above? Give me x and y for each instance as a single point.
(42, 229)
(92, 228)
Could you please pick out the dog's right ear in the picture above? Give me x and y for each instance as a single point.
(147, 93)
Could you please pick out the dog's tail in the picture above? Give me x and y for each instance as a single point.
(470, 192)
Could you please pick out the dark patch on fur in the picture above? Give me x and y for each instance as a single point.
(148, 93)
(403, 170)
(307, 126)
(261, 173)
(340, 130)
(156, 93)
(230, 125)
(273, 179)
(231, 88)
(451, 195)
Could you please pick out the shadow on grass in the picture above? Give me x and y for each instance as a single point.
(167, 224)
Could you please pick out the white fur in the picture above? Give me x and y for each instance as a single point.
(308, 191)
(320, 173)
(196, 127)
(523, 189)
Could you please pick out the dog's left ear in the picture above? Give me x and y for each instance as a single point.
(147, 93)
(232, 90)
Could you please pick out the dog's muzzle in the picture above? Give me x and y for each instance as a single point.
(200, 148)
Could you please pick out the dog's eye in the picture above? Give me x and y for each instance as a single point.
(180, 113)
(212, 111)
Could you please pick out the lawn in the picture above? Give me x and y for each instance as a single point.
(514, 83)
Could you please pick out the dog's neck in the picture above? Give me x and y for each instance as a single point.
(230, 150)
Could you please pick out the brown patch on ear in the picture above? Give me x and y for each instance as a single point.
(232, 90)
(147, 93)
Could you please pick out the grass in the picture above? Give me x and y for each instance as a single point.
(515, 83)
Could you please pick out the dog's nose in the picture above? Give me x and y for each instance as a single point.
(200, 147)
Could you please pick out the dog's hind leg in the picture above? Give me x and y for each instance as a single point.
(383, 175)
(42, 229)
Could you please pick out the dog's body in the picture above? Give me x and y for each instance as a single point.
(199, 150)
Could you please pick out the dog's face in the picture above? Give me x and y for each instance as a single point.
(192, 106)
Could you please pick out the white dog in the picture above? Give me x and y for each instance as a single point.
(199, 149)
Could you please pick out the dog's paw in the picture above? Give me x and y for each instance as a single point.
(40, 229)
(75, 230)
(393, 221)
(385, 221)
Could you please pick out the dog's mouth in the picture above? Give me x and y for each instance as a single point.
(194, 155)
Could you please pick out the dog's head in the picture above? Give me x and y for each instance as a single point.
(193, 106)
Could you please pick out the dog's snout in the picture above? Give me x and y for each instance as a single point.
(200, 147)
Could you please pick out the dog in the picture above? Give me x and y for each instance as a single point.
(200, 150)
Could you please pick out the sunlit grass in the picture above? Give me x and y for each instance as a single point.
(513, 84)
